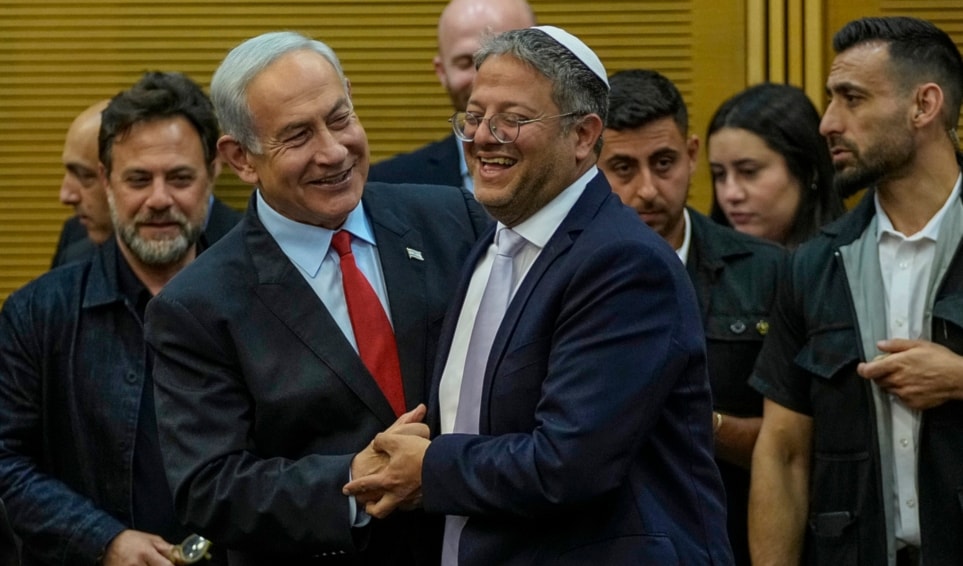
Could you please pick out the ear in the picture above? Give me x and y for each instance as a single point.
(589, 130)
(238, 158)
(218, 167)
(692, 149)
(929, 105)
(347, 87)
(440, 71)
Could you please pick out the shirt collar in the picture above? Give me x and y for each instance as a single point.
(466, 179)
(683, 250)
(307, 245)
(932, 229)
(538, 229)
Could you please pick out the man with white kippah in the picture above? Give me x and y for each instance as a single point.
(461, 28)
(571, 415)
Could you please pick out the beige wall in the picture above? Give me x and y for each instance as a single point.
(56, 57)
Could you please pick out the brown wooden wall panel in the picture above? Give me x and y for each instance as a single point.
(57, 57)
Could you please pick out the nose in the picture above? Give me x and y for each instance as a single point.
(829, 124)
(330, 150)
(483, 133)
(160, 195)
(728, 189)
(645, 187)
(69, 191)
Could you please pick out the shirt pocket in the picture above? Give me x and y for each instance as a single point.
(733, 343)
(828, 351)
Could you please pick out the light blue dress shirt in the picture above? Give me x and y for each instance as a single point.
(309, 249)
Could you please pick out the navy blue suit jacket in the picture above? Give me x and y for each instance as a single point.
(437, 163)
(263, 400)
(595, 442)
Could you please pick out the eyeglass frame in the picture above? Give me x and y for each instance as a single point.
(518, 124)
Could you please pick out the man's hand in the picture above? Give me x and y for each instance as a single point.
(136, 548)
(370, 461)
(399, 483)
(922, 374)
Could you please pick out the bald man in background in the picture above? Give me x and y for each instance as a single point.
(82, 189)
(462, 26)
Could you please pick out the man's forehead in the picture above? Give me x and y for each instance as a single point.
(859, 61)
(661, 131)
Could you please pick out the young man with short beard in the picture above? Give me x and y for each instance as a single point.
(80, 469)
(860, 456)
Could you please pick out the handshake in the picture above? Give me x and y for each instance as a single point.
(386, 475)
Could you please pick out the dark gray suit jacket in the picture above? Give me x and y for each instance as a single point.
(263, 400)
(437, 163)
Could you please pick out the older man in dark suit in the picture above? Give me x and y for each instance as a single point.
(307, 330)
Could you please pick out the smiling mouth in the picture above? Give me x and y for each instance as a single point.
(497, 162)
(334, 179)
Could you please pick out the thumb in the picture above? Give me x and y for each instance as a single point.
(384, 442)
(415, 415)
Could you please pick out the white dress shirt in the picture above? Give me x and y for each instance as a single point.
(906, 265)
(537, 230)
(309, 249)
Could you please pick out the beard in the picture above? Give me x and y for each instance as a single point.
(879, 160)
(158, 251)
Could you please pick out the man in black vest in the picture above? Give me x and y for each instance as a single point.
(860, 455)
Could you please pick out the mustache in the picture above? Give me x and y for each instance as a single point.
(169, 216)
(842, 143)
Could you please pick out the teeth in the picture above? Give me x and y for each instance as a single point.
(335, 178)
(498, 161)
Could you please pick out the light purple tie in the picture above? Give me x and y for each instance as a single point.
(491, 311)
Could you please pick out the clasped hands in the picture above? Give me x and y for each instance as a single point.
(386, 475)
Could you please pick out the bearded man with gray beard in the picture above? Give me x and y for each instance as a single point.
(80, 469)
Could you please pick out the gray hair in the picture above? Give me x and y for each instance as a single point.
(575, 88)
(242, 65)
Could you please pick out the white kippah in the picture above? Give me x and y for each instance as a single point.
(577, 48)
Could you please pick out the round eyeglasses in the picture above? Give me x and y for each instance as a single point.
(504, 126)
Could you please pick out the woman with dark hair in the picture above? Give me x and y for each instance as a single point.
(772, 175)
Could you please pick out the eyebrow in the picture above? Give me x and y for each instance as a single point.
(342, 103)
(844, 86)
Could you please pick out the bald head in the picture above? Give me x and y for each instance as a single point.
(461, 28)
(81, 187)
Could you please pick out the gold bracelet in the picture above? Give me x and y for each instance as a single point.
(718, 422)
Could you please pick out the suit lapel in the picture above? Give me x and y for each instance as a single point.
(401, 250)
(284, 291)
(584, 210)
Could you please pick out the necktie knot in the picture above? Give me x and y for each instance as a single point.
(341, 242)
(508, 242)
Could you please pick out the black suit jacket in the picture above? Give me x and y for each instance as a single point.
(73, 243)
(9, 551)
(264, 402)
(437, 163)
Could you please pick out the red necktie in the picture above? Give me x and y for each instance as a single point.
(372, 330)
